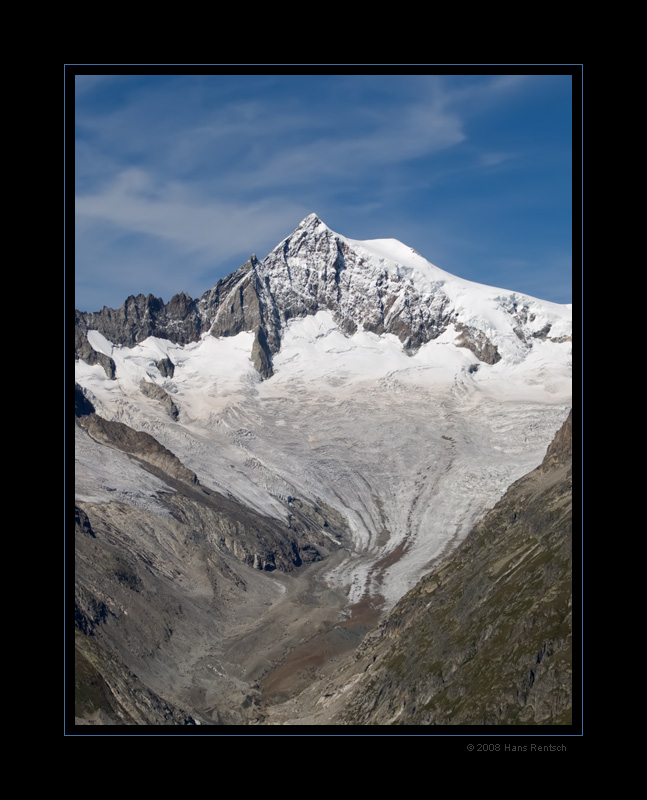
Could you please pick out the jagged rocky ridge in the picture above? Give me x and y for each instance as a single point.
(311, 270)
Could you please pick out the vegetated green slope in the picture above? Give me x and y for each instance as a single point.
(486, 638)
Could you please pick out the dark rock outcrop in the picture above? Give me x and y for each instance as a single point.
(166, 367)
(139, 444)
(237, 304)
(85, 352)
(82, 405)
(82, 523)
(261, 355)
(560, 449)
(143, 316)
(478, 343)
(257, 541)
(156, 392)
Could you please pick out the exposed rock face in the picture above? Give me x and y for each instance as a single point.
(139, 444)
(156, 392)
(261, 355)
(312, 270)
(485, 638)
(315, 269)
(87, 353)
(561, 448)
(108, 693)
(82, 405)
(143, 316)
(236, 302)
(166, 367)
(82, 523)
(257, 541)
(478, 343)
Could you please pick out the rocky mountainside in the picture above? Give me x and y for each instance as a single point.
(107, 693)
(380, 287)
(275, 465)
(152, 586)
(486, 637)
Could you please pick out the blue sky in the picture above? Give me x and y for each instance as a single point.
(179, 178)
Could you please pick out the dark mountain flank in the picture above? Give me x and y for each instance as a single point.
(486, 638)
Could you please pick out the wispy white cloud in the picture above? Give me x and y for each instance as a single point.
(137, 203)
(494, 159)
(285, 139)
(359, 149)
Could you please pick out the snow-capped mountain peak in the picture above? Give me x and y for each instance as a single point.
(311, 222)
(383, 286)
(374, 362)
(379, 286)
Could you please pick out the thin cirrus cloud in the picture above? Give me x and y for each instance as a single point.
(412, 133)
(187, 230)
(135, 201)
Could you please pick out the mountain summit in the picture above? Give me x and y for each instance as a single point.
(380, 286)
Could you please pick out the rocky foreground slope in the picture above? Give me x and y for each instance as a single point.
(487, 637)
